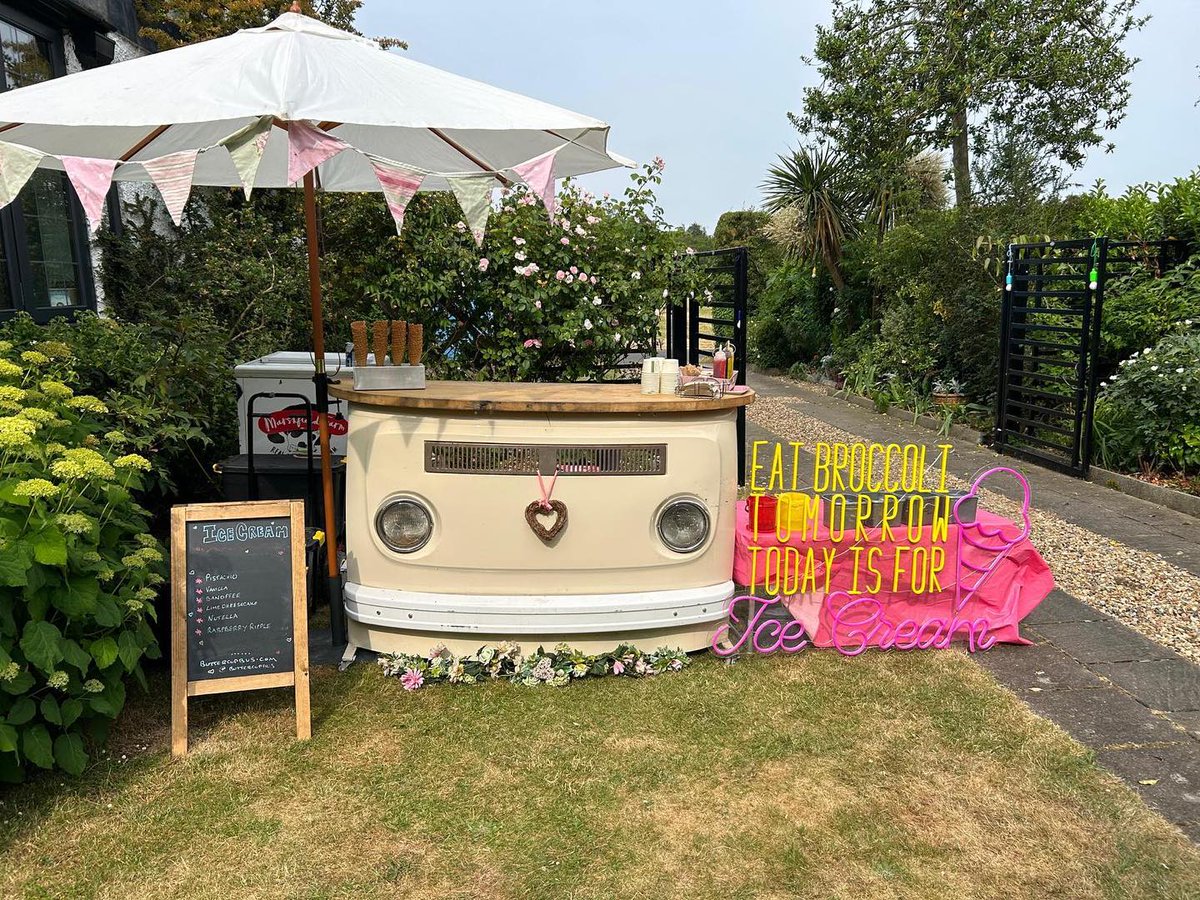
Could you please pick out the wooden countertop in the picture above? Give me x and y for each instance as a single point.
(536, 397)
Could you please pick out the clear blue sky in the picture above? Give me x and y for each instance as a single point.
(707, 84)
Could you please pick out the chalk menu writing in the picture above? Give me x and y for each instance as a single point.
(239, 598)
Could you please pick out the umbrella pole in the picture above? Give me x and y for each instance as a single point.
(337, 615)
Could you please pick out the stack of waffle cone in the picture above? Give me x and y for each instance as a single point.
(358, 332)
(416, 341)
(399, 340)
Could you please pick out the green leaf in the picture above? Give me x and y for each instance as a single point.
(129, 650)
(14, 565)
(37, 747)
(42, 645)
(104, 651)
(8, 738)
(76, 656)
(50, 547)
(79, 597)
(51, 711)
(69, 753)
(70, 712)
(19, 685)
(21, 712)
(107, 613)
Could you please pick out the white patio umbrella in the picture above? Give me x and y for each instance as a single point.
(294, 99)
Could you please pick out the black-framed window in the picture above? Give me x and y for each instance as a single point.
(45, 260)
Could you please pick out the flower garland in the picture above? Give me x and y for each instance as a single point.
(505, 661)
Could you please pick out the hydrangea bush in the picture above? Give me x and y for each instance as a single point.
(556, 668)
(78, 568)
(1148, 411)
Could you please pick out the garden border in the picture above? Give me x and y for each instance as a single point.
(1170, 498)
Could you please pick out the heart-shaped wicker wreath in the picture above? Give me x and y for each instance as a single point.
(560, 519)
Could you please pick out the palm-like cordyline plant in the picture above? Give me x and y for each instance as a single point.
(813, 192)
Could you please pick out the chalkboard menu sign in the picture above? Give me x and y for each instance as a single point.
(239, 597)
(238, 604)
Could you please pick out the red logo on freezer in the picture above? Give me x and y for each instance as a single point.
(295, 420)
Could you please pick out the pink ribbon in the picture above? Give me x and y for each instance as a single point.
(546, 494)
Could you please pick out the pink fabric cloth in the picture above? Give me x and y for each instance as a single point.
(172, 175)
(399, 186)
(91, 179)
(1019, 583)
(538, 173)
(308, 147)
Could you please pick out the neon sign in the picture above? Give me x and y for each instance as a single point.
(857, 568)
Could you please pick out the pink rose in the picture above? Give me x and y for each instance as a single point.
(483, 264)
(565, 241)
(560, 274)
(532, 342)
(574, 270)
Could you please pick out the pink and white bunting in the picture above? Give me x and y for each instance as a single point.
(398, 184)
(172, 175)
(538, 173)
(308, 147)
(91, 179)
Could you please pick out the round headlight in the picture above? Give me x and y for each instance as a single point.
(683, 525)
(404, 525)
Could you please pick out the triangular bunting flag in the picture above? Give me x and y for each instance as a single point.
(398, 185)
(474, 193)
(308, 147)
(172, 175)
(538, 173)
(246, 150)
(17, 163)
(91, 179)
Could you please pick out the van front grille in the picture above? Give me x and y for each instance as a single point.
(464, 458)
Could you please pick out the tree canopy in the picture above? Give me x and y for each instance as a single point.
(902, 76)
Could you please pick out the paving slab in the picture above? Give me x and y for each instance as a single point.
(1103, 642)
(1035, 669)
(1172, 685)
(1174, 771)
(1102, 717)
(1060, 606)
(1188, 720)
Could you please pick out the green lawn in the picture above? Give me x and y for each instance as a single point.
(888, 775)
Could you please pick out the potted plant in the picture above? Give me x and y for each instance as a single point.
(948, 392)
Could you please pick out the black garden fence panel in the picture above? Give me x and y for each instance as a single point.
(1050, 343)
(698, 325)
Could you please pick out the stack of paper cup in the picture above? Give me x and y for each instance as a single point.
(650, 375)
(669, 379)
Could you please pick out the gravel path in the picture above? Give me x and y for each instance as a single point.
(1138, 588)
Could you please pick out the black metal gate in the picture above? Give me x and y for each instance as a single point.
(1050, 343)
(697, 327)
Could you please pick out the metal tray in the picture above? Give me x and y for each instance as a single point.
(389, 378)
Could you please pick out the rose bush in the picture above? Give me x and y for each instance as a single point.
(542, 299)
(78, 569)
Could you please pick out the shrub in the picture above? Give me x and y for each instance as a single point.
(789, 324)
(1148, 412)
(1140, 308)
(169, 388)
(500, 311)
(77, 566)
